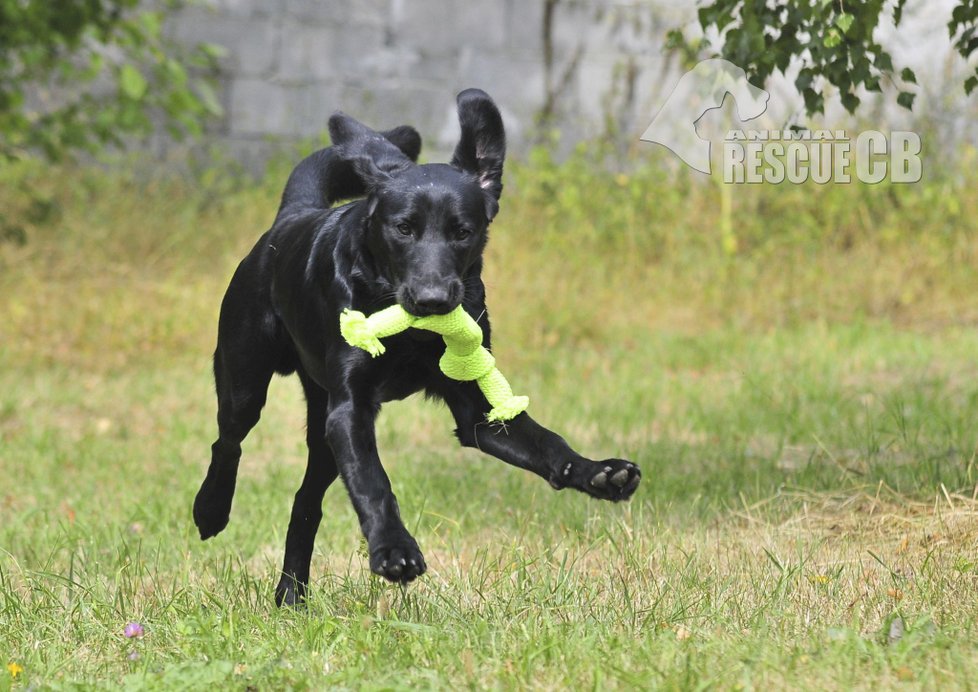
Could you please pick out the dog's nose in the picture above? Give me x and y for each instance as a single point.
(433, 300)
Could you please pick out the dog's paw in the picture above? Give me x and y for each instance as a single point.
(290, 592)
(211, 511)
(398, 562)
(612, 479)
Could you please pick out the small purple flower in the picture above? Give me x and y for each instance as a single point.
(133, 656)
(133, 629)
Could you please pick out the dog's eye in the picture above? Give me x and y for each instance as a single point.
(404, 228)
(462, 232)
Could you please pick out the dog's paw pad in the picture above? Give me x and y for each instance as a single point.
(393, 569)
(402, 563)
(600, 481)
(616, 480)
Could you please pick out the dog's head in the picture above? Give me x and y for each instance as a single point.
(427, 224)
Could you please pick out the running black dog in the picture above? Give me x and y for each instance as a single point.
(416, 238)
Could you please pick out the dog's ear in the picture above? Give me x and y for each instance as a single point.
(405, 138)
(343, 129)
(482, 148)
(373, 156)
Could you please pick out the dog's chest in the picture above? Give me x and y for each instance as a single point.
(407, 365)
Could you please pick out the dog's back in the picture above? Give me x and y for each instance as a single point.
(329, 175)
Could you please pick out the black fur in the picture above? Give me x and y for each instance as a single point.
(416, 238)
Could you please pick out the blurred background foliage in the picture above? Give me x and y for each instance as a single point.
(78, 75)
(99, 267)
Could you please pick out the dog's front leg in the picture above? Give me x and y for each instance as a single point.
(525, 443)
(394, 554)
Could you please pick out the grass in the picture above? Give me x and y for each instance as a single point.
(802, 410)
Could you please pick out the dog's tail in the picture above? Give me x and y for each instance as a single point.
(332, 174)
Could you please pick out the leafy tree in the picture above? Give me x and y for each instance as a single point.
(833, 41)
(79, 74)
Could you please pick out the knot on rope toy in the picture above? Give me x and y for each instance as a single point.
(467, 367)
(356, 332)
(465, 358)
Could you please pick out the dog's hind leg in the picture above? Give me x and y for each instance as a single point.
(250, 348)
(307, 508)
(241, 395)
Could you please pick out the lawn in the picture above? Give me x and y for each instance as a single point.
(801, 403)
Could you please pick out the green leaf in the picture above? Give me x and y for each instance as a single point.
(898, 12)
(209, 99)
(905, 99)
(216, 51)
(674, 40)
(152, 22)
(850, 101)
(726, 17)
(844, 21)
(970, 84)
(833, 38)
(132, 83)
(959, 15)
(175, 72)
(814, 101)
(804, 79)
(708, 15)
(94, 68)
(908, 76)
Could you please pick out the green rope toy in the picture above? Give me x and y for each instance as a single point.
(465, 357)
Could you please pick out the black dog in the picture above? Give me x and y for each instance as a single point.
(416, 239)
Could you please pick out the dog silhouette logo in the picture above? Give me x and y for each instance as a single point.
(702, 89)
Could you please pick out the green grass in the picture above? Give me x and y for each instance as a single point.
(807, 513)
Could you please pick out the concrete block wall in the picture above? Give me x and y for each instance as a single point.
(291, 63)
